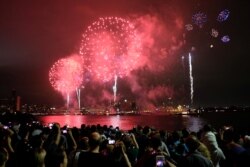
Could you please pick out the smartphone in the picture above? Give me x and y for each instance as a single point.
(64, 131)
(227, 127)
(50, 125)
(160, 160)
(111, 141)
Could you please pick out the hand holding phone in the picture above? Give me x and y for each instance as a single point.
(111, 141)
(160, 161)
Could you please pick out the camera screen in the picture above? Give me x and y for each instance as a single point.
(111, 141)
(160, 161)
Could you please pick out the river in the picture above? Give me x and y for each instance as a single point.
(166, 122)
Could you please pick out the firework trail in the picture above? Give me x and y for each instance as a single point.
(78, 94)
(68, 100)
(115, 88)
(191, 78)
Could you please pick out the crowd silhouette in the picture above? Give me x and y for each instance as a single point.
(29, 143)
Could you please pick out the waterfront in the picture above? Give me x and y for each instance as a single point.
(126, 122)
(167, 122)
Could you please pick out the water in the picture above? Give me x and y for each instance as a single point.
(166, 122)
(126, 122)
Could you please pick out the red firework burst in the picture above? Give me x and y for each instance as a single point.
(110, 46)
(66, 74)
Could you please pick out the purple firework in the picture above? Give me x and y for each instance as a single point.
(199, 19)
(223, 15)
(225, 39)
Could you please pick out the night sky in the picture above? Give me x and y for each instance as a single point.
(34, 34)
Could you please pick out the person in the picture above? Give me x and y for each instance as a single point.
(83, 146)
(149, 158)
(93, 157)
(118, 156)
(194, 158)
(6, 135)
(55, 147)
(38, 153)
(3, 156)
(177, 146)
(131, 147)
(236, 154)
(208, 137)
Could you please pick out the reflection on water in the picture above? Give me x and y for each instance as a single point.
(167, 122)
(195, 123)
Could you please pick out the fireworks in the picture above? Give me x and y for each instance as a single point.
(199, 19)
(189, 27)
(223, 15)
(225, 39)
(110, 47)
(66, 74)
(191, 78)
(214, 33)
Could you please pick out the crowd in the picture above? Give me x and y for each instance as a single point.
(31, 144)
